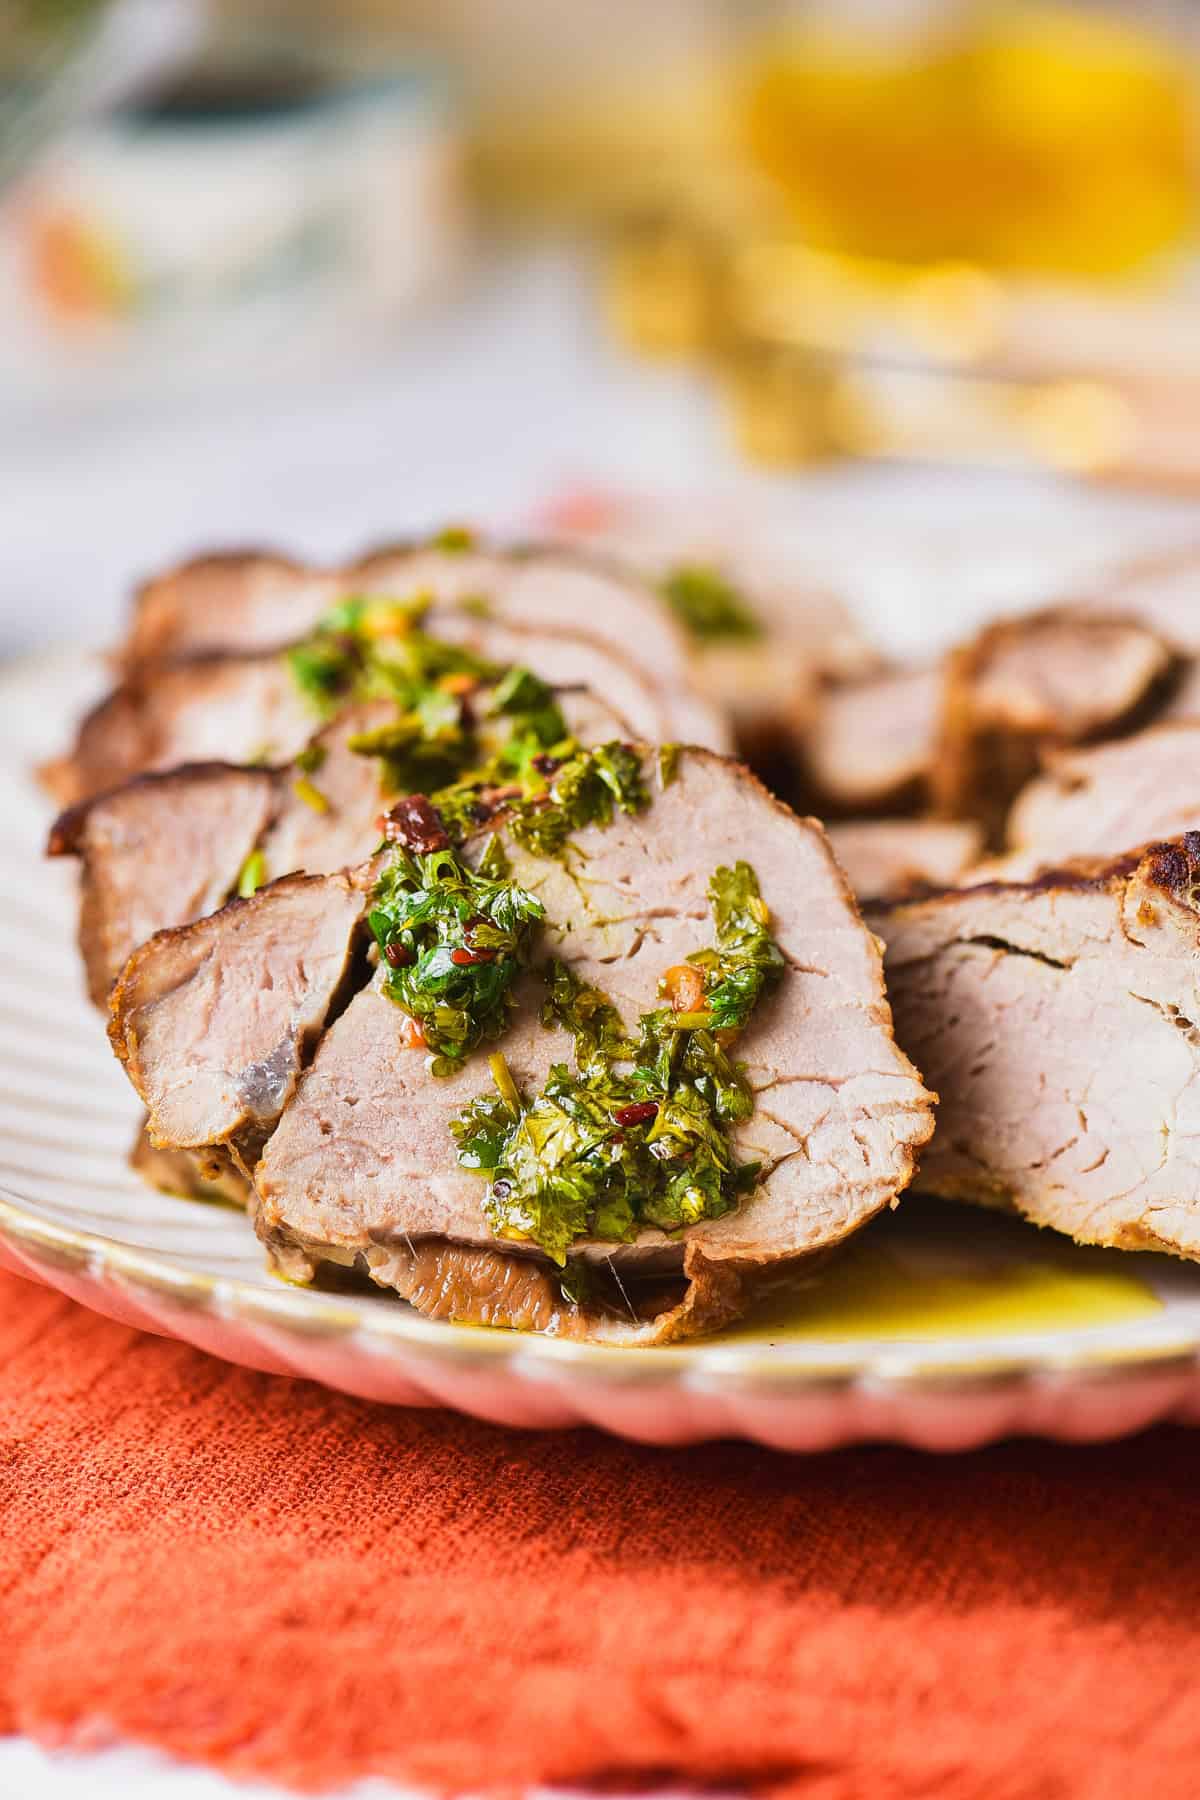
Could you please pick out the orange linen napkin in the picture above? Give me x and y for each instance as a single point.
(253, 1572)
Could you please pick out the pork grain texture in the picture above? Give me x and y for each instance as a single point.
(1059, 1020)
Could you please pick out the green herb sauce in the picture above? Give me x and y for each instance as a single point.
(638, 1133)
(454, 940)
(469, 733)
(708, 606)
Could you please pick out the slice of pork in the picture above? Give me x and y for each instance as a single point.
(168, 848)
(1025, 686)
(249, 709)
(255, 602)
(215, 1020)
(159, 851)
(244, 710)
(765, 685)
(870, 743)
(1104, 800)
(1161, 589)
(889, 858)
(1060, 1023)
(362, 1159)
(965, 737)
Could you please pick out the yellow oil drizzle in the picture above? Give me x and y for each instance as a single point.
(877, 1288)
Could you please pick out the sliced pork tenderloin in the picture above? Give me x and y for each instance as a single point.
(965, 737)
(361, 1166)
(1060, 1022)
(241, 710)
(250, 709)
(890, 858)
(359, 1162)
(243, 604)
(215, 1020)
(167, 848)
(870, 742)
(1161, 589)
(244, 600)
(763, 630)
(1107, 799)
(159, 851)
(1026, 686)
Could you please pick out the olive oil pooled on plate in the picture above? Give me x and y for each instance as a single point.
(934, 1271)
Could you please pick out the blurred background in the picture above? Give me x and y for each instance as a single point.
(910, 290)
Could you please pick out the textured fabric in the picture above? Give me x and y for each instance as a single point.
(249, 1570)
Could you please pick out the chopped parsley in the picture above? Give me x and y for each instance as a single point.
(638, 1133)
(473, 736)
(454, 941)
(373, 648)
(707, 605)
(588, 789)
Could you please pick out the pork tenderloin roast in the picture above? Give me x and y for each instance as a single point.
(870, 742)
(264, 1030)
(1024, 687)
(1058, 1021)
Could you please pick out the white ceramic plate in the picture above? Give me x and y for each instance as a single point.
(939, 1326)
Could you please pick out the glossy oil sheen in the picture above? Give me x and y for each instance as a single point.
(898, 1281)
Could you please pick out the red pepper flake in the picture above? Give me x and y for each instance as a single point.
(398, 955)
(416, 823)
(638, 1112)
(464, 957)
(412, 1037)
